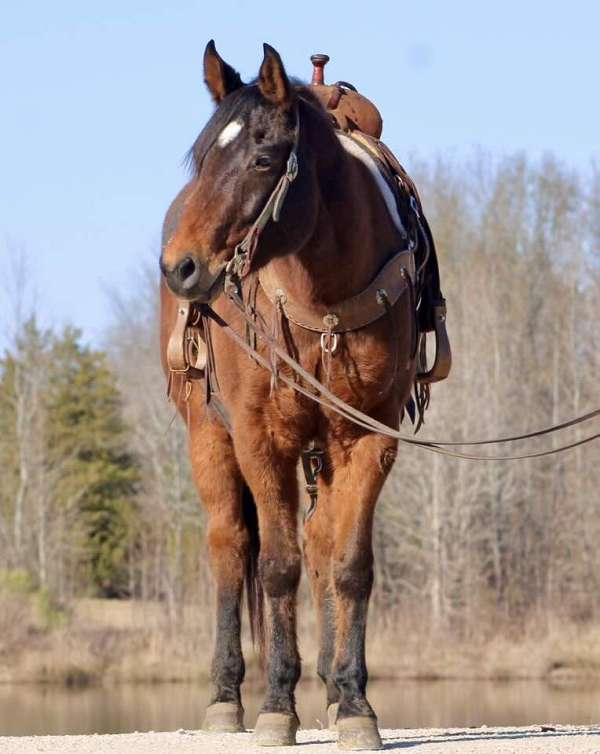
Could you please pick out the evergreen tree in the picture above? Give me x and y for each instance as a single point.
(87, 434)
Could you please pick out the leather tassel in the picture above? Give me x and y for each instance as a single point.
(326, 363)
(422, 399)
(251, 337)
(210, 378)
(275, 333)
(189, 386)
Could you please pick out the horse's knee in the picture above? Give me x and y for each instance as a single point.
(279, 574)
(353, 573)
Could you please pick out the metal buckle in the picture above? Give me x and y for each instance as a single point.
(292, 166)
(329, 342)
(414, 206)
(381, 295)
(235, 268)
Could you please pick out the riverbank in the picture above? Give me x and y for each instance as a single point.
(532, 740)
(118, 641)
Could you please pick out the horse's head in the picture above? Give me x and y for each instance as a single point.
(237, 162)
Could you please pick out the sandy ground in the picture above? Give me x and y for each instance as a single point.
(533, 740)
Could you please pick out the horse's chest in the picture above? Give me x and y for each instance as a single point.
(359, 372)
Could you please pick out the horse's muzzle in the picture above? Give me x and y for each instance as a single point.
(190, 279)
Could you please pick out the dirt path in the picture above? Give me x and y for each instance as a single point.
(534, 740)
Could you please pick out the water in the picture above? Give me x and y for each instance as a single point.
(31, 709)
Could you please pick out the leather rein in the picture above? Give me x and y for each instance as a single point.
(320, 394)
(399, 274)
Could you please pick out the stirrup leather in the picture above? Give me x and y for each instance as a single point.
(443, 355)
(186, 350)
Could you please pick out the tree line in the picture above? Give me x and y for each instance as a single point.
(96, 495)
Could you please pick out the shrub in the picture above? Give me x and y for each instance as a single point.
(50, 613)
(17, 581)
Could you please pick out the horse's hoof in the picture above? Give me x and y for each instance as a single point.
(224, 717)
(358, 734)
(276, 729)
(332, 711)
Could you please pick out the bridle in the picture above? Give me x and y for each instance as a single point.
(239, 265)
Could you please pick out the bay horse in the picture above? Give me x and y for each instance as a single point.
(335, 232)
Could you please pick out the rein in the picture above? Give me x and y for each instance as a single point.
(323, 396)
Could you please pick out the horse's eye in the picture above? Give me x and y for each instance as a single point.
(262, 162)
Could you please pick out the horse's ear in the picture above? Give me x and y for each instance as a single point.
(273, 81)
(221, 79)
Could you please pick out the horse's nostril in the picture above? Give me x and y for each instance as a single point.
(186, 269)
(190, 277)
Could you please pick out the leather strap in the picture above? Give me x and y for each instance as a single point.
(443, 355)
(186, 350)
(239, 264)
(352, 313)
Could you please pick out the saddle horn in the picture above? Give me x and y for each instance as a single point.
(319, 61)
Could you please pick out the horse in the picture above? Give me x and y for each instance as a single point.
(335, 231)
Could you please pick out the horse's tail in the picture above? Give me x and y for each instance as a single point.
(254, 591)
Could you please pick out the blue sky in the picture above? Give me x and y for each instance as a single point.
(100, 101)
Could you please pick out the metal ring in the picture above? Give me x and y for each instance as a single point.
(381, 295)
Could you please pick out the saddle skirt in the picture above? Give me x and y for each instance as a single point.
(358, 118)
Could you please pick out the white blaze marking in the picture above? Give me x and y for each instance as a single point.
(361, 154)
(229, 133)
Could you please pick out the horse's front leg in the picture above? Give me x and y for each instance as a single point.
(219, 482)
(271, 475)
(359, 471)
(318, 546)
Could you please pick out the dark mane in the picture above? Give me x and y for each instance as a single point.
(239, 103)
(306, 96)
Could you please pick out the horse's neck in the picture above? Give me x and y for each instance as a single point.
(353, 237)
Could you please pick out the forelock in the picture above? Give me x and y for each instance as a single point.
(236, 106)
(247, 107)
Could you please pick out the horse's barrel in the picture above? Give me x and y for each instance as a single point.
(349, 109)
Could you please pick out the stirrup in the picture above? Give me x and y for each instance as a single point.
(443, 355)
